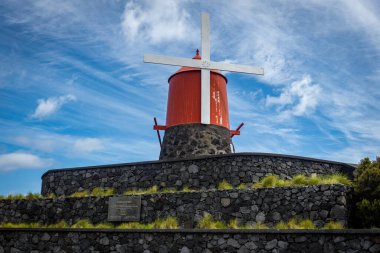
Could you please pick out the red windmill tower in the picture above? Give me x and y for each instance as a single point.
(197, 120)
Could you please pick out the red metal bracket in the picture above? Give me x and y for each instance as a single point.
(158, 128)
(237, 131)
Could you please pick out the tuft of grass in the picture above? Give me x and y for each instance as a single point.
(134, 225)
(224, 185)
(98, 191)
(242, 186)
(15, 197)
(268, 181)
(300, 180)
(151, 190)
(85, 223)
(61, 224)
(81, 194)
(167, 223)
(207, 222)
(333, 225)
(31, 195)
(51, 196)
(233, 224)
(104, 226)
(281, 225)
(260, 225)
(20, 225)
(296, 224)
(337, 178)
(187, 189)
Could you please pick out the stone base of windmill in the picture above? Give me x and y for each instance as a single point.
(319, 203)
(191, 140)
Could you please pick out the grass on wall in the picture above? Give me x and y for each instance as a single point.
(206, 222)
(224, 185)
(160, 223)
(268, 181)
(96, 192)
(302, 180)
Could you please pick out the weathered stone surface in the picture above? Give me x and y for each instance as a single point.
(250, 206)
(225, 202)
(231, 241)
(204, 172)
(191, 140)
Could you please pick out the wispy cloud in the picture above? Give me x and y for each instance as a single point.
(156, 21)
(22, 160)
(88, 145)
(299, 99)
(49, 106)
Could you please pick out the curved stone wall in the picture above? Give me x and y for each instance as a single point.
(191, 140)
(321, 204)
(199, 173)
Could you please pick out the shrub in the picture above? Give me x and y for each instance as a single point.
(368, 179)
(367, 194)
(368, 211)
(224, 185)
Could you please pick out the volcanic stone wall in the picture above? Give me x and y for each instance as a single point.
(321, 204)
(184, 241)
(198, 173)
(190, 140)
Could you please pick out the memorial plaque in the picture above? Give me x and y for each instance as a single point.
(124, 208)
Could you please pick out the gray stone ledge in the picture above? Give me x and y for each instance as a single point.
(209, 157)
(204, 231)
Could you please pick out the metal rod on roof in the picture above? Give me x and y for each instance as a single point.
(158, 132)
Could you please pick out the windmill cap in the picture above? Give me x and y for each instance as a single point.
(186, 69)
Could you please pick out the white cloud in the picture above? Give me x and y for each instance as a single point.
(49, 106)
(300, 98)
(20, 160)
(156, 21)
(88, 145)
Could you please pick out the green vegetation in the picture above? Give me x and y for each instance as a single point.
(224, 185)
(333, 225)
(302, 180)
(166, 223)
(268, 181)
(208, 222)
(96, 192)
(296, 224)
(367, 194)
(242, 186)
(154, 190)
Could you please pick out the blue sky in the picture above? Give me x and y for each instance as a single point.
(74, 90)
